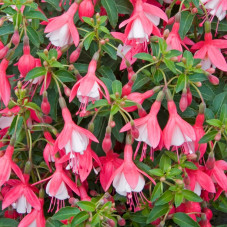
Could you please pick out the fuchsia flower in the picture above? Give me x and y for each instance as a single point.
(88, 89)
(128, 178)
(35, 218)
(210, 52)
(73, 138)
(7, 164)
(216, 8)
(5, 88)
(81, 164)
(110, 163)
(21, 196)
(61, 30)
(149, 130)
(143, 21)
(26, 62)
(86, 9)
(200, 180)
(177, 131)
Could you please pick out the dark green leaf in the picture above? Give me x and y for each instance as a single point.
(183, 220)
(80, 218)
(191, 196)
(124, 6)
(180, 83)
(157, 191)
(170, 65)
(144, 56)
(166, 197)
(53, 223)
(33, 106)
(156, 172)
(157, 212)
(111, 9)
(190, 165)
(215, 122)
(218, 101)
(165, 163)
(55, 4)
(65, 76)
(86, 205)
(8, 222)
(88, 40)
(172, 155)
(208, 137)
(33, 14)
(178, 199)
(110, 51)
(65, 213)
(185, 23)
(36, 72)
(223, 115)
(117, 87)
(6, 29)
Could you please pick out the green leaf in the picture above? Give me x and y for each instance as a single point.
(178, 199)
(189, 58)
(189, 165)
(52, 53)
(185, 23)
(65, 213)
(110, 51)
(172, 155)
(191, 196)
(86, 205)
(208, 137)
(183, 220)
(34, 106)
(166, 197)
(95, 220)
(19, 126)
(36, 72)
(124, 6)
(157, 191)
(223, 115)
(144, 56)
(33, 36)
(165, 163)
(107, 72)
(65, 76)
(53, 223)
(88, 21)
(55, 4)
(156, 172)
(174, 172)
(157, 212)
(214, 122)
(117, 87)
(111, 10)
(80, 218)
(170, 65)
(197, 77)
(104, 29)
(114, 109)
(33, 14)
(180, 83)
(173, 53)
(218, 101)
(98, 103)
(88, 40)
(56, 64)
(140, 82)
(8, 222)
(6, 29)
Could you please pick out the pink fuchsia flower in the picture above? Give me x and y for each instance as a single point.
(21, 196)
(150, 132)
(26, 62)
(7, 165)
(177, 131)
(73, 138)
(86, 9)
(5, 88)
(35, 218)
(110, 163)
(128, 178)
(210, 52)
(61, 30)
(83, 193)
(82, 164)
(216, 8)
(88, 89)
(143, 21)
(200, 180)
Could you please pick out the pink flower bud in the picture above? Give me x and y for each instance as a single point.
(4, 51)
(135, 132)
(47, 119)
(183, 101)
(126, 90)
(211, 70)
(189, 96)
(194, 10)
(213, 79)
(121, 222)
(106, 143)
(67, 91)
(218, 136)
(45, 105)
(76, 54)
(210, 161)
(142, 112)
(111, 223)
(86, 9)
(59, 53)
(16, 38)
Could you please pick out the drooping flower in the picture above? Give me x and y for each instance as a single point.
(149, 130)
(61, 30)
(7, 164)
(35, 218)
(128, 179)
(86, 9)
(88, 89)
(177, 131)
(209, 51)
(21, 196)
(26, 62)
(5, 88)
(73, 138)
(143, 21)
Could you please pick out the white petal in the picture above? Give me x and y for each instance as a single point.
(22, 205)
(68, 148)
(154, 19)
(206, 63)
(197, 189)
(62, 192)
(137, 31)
(79, 142)
(121, 185)
(143, 134)
(5, 122)
(177, 137)
(123, 50)
(33, 224)
(140, 184)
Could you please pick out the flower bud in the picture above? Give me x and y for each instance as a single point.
(211, 70)
(194, 10)
(189, 96)
(213, 79)
(142, 112)
(67, 91)
(45, 105)
(121, 222)
(4, 51)
(183, 101)
(210, 161)
(16, 37)
(218, 136)
(107, 143)
(126, 90)
(76, 53)
(134, 131)
(166, 33)
(86, 9)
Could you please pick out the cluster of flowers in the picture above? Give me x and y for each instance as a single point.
(71, 150)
